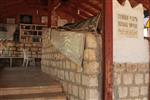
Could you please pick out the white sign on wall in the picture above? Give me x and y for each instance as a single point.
(127, 25)
(129, 43)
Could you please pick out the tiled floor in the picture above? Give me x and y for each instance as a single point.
(19, 76)
(28, 84)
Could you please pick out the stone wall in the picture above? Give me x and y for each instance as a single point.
(16, 49)
(131, 81)
(79, 82)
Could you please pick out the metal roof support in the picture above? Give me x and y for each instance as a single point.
(107, 48)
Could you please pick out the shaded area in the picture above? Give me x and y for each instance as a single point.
(21, 77)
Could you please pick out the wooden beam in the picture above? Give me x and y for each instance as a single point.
(145, 3)
(92, 9)
(88, 11)
(108, 48)
(21, 8)
(82, 12)
(70, 12)
(95, 6)
(6, 4)
(13, 9)
(10, 6)
(50, 7)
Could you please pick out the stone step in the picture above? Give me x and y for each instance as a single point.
(52, 88)
(38, 96)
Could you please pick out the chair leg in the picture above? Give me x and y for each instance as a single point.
(23, 63)
(27, 63)
(33, 62)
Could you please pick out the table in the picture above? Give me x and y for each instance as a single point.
(10, 59)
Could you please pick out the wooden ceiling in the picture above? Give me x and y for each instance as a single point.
(80, 9)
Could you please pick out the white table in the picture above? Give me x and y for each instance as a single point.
(10, 58)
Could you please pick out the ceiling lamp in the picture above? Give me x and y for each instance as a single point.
(147, 27)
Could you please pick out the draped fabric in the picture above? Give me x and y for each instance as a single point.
(69, 43)
(89, 25)
(70, 38)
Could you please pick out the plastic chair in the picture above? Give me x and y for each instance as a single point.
(27, 59)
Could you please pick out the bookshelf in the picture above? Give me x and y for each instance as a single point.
(31, 33)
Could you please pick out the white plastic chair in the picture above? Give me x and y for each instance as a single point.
(27, 59)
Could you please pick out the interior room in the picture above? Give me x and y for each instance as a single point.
(74, 50)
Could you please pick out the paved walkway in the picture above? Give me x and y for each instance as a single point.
(21, 77)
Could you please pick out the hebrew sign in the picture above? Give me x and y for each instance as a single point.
(128, 37)
(127, 25)
(71, 44)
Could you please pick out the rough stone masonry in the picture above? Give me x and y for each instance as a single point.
(130, 80)
(79, 82)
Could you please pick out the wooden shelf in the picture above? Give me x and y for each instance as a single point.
(31, 33)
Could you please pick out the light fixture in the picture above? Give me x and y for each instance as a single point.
(147, 27)
(78, 12)
(37, 11)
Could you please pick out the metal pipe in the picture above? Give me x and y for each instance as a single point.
(107, 49)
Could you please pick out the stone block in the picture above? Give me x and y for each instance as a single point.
(128, 78)
(78, 78)
(131, 67)
(117, 78)
(64, 65)
(91, 81)
(125, 99)
(62, 74)
(144, 90)
(123, 92)
(91, 41)
(145, 98)
(67, 75)
(76, 99)
(147, 78)
(134, 91)
(79, 68)
(90, 55)
(81, 93)
(73, 66)
(72, 76)
(143, 67)
(69, 88)
(68, 64)
(139, 79)
(60, 64)
(119, 67)
(138, 99)
(61, 57)
(71, 98)
(75, 90)
(65, 87)
(91, 67)
(92, 94)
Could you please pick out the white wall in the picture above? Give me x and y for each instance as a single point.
(134, 48)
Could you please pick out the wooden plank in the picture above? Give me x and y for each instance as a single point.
(108, 49)
(97, 6)
(84, 8)
(70, 12)
(49, 13)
